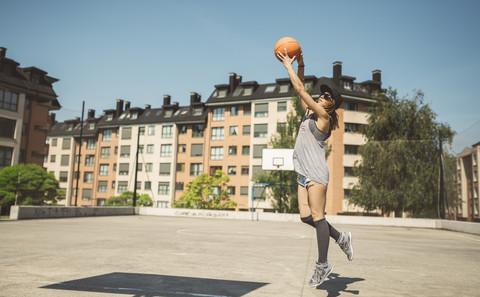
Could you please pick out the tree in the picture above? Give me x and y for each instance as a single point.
(28, 184)
(284, 199)
(126, 199)
(399, 171)
(207, 192)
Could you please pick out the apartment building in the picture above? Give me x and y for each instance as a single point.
(26, 97)
(228, 132)
(467, 183)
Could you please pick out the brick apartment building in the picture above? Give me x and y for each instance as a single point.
(26, 97)
(178, 143)
(467, 183)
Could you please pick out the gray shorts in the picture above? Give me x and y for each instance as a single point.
(303, 181)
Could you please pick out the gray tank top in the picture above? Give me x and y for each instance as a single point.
(309, 152)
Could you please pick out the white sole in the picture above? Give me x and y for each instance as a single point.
(314, 286)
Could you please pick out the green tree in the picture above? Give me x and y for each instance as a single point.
(29, 184)
(207, 192)
(126, 199)
(284, 199)
(399, 171)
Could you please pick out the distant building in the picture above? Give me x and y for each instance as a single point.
(227, 132)
(468, 185)
(26, 97)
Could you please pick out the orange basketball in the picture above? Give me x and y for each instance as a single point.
(290, 44)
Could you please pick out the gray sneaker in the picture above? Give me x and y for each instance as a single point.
(345, 243)
(320, 274)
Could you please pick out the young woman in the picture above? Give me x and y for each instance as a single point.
(309, 161)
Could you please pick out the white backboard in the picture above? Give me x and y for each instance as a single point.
(277, 159)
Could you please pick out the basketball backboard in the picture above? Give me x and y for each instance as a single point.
(277, 159)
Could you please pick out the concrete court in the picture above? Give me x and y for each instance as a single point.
(176, 256)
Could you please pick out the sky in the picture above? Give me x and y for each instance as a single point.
(139, 51)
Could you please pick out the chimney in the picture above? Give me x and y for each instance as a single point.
(91, 114)
(119, 109)
(147, 106)
(377, 75)
(166, 100)
(233, 81)
(337, 72)
(194, 98)
(3, 51)
(51, 118)
(127, 105)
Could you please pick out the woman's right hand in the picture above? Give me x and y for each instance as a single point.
(286, 60)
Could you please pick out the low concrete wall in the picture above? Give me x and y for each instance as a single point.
(42, 212)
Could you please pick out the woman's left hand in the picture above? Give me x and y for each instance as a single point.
(286, 60)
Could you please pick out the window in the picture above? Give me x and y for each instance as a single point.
(90, 143)
(182, 129)
(151, 130)
(86, 194)
(351, 127)
(63, 176)
(270, 89)
(113, 184)
(247, 109)
(6, 156)
(52, 158)
(163, 188)
(182, 148)
(351, 106)
(197, 130)
(166, 150)
(232, 150)
(196, 169)
(246, 130)
(8, 100)
(150, 148)
(116, 150)
(88, 177)
(124, 151)
(257, 169)
(282, 106)
(349, 171)
(122, 186)
(66, 144)
(281, 127)
(237, 91)
(179, 186)
(233, 130)
(54, 142)
(141, 130)
(115, 167)
(216, 153)
(64, 160)
(261, 110)
(180, 167)
(244, 191)
(351, 149)
(164, 169)
(107, 135)
(109, 117)
(257, 150)
(197, 111)
(347, 85)
(246, 150)
(248, 91)
(197, 150)
(232, 170)
(102, 186)
(148, 185)
(91, 126)
(213, 169)
(231, 190)
(233, 110)
(104, 168)
(346, 194)
(167, 131)
(8, 128)
(127, 133)
(245, 170)
(105, 152)
(148, 167)
(260, 130)
(217, 133)
(284, 88)
(222, 93)
(89, 160)
(218, 114)
(123, 169)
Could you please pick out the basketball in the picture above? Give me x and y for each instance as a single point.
(290, 44)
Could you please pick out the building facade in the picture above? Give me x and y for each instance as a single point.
(227, 132)
(26, 97)
(467, 184)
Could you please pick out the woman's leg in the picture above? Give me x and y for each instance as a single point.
(303, 207)
(317, 196)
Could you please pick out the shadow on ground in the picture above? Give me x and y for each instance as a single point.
(337, 284)
(150, 285)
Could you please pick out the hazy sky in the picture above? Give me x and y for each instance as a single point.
(140, 50)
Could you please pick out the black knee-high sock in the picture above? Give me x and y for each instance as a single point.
(323, 239)
(333, 232)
